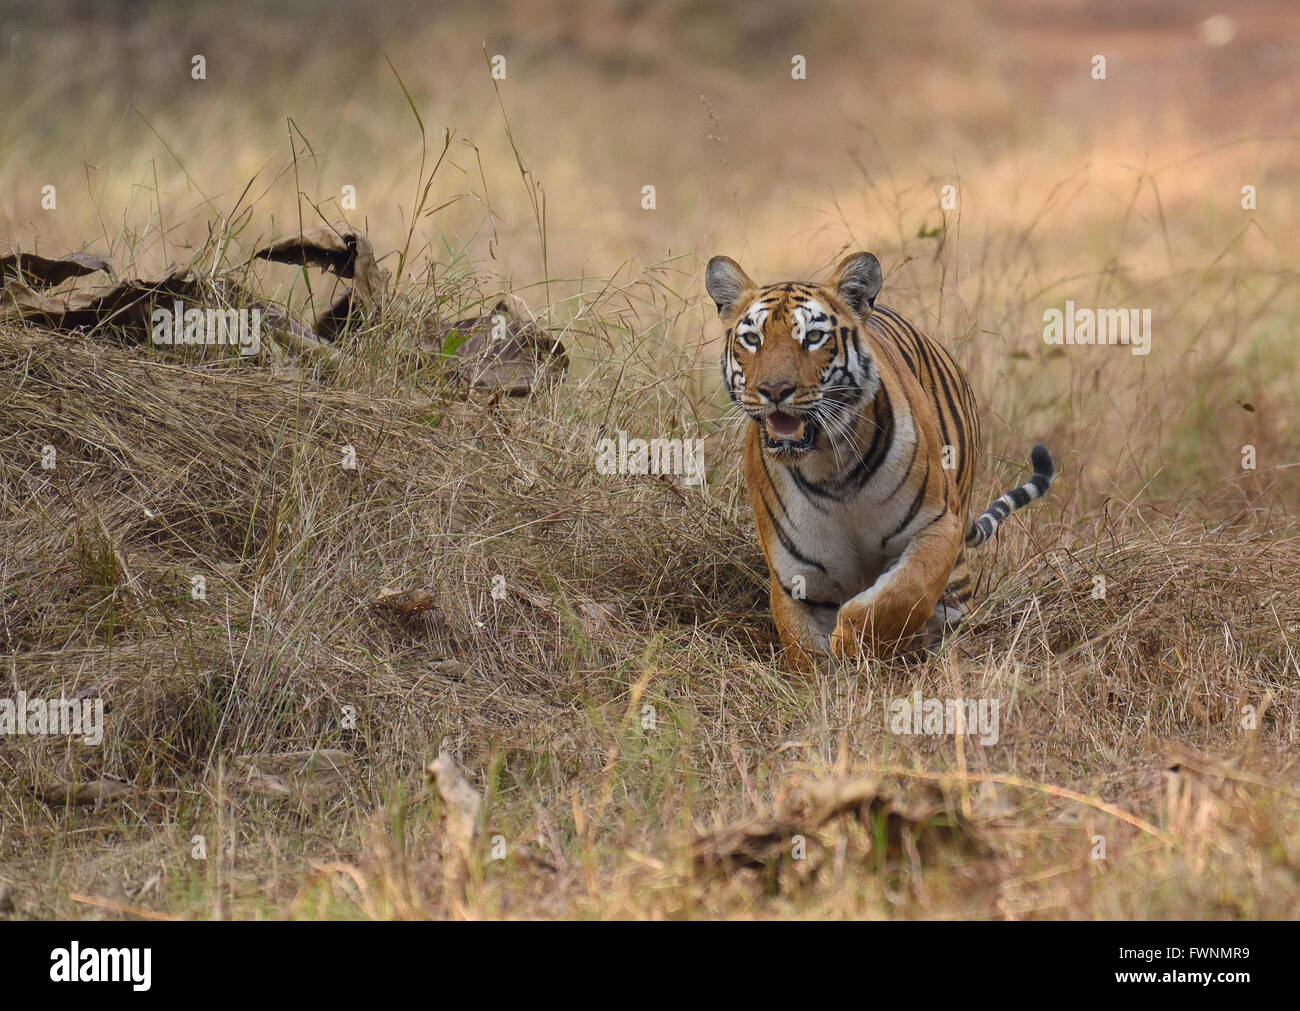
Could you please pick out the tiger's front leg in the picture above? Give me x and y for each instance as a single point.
(804, 629)
(883, 617)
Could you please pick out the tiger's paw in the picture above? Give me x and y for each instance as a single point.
(858, 633)
(849, 643)
(869, 625)
(844, 643)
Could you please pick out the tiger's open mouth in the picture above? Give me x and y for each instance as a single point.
(788, 433)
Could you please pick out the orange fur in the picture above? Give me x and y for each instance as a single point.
(860, 459)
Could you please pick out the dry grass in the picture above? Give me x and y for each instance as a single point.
(1162, 717)
(175, 470)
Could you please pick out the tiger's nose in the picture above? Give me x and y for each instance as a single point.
(776, 392)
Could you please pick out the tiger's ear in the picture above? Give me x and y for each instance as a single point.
(725, 283)
(857, 281)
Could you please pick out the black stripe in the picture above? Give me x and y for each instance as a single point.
(762, 459)
(787, 542)
(911, 462)
(827, 604)
(852, 481)
(934, 519)
(913, 510)
(945, 375)
(911, 365)
(952, 380)
(940, 371)
(956, 420)
(807, 487)
(884, 440)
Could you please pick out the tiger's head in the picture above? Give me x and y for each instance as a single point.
(795, 359)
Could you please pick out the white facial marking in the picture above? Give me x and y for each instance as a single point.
(749, 328)
(812, 327)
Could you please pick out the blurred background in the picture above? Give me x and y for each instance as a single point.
(695, 98)
(973, 145)
(1122, 191)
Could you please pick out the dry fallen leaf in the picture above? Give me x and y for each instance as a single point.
(501, 352)
(451, 668)
(405, 602)
(317, 762)
(752, 844)
(759, 842)
(261, 783)
(342, 251)
(46, 272)
(309, 776)
(334, 319)
(597, 616)
(92, 792)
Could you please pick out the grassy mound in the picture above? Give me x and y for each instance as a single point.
(593, 649)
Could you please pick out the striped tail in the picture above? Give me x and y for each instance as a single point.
(1017, 498)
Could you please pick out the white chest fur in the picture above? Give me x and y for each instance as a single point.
(828, 549)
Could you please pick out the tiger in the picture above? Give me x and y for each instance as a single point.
(859, 461)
